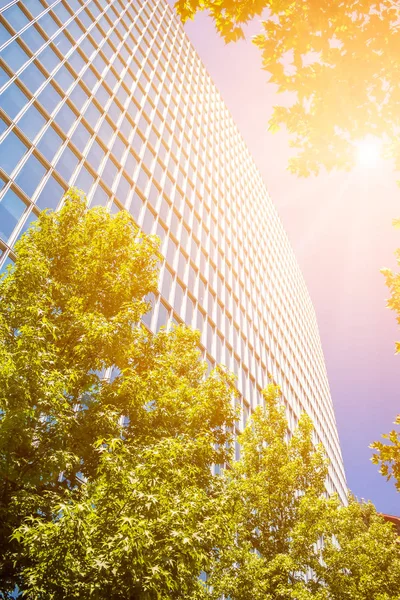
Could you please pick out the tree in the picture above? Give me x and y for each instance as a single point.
(106, 482)
(280, 517)
(388, 454)
(150, 519)
(101, 477)
(338, 62)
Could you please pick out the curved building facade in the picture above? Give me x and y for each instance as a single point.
(110, 96)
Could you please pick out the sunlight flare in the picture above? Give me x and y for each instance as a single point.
(368, 152)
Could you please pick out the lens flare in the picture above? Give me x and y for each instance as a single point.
(368, 152)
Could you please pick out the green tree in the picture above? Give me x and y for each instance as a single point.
(360, 557)
(338, 63)
(151, 518)
(274, 488)
(387, 453)
(105, 482)
(280, 516)
(107, 488)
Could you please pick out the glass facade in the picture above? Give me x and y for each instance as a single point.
(110, 96)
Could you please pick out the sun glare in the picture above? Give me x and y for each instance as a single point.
(368, 152)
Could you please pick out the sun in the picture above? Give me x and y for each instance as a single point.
(368, 152)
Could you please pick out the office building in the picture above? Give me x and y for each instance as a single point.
(110, 96)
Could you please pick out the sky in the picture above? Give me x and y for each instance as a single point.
(339, 225)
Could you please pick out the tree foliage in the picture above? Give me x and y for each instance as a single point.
(107, 483)
(280, 517)
(84, 458)
(387, 454)
(338, 63)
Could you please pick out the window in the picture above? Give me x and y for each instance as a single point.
(99, 64)
(13, 100)
(100, 197)
(171, 251)
(102, 95)
(33, 39)
(148, 158)
(161, 231)
(181, 265)
(130, 165)
(124, 187)
(153, 195)
(84, 180)
(106, 131)
(76, 61)
(81, 137)
(65, 118)
(30, 175)
(14, 56)
(201, 291)
(132, 110)
(67, 163)
(11, 152)
(110, 172)
(4, 35)
(49, 98)
(78, 96)
(114, 111)
(115, 208)
(50, 195)
(163, 315)
(11, 209)
(48, 24)
(62, 43)
(50, 144)
(137, 143)
(95, 155)
(147, 317)
(164, 210)
(49, 59)
(32, 78)
(92, 115)
(143, 125)
(142, 180)
(89, 78)
(74, 29)
(31, 122)
(189, 311)
(200, 320)
(87, 46)
(111, 80)
(167, 283)
(61, 13)
(34, 6)
(126, 127)
(119, 148)
(64, 78)
(6, 264)
(210, 337)
(122, 95)
(3, 127)
(31, 217)
(136, 206)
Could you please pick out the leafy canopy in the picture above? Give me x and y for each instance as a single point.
(337, 61)
(387, 454)
(105, 483)
(280, 516)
